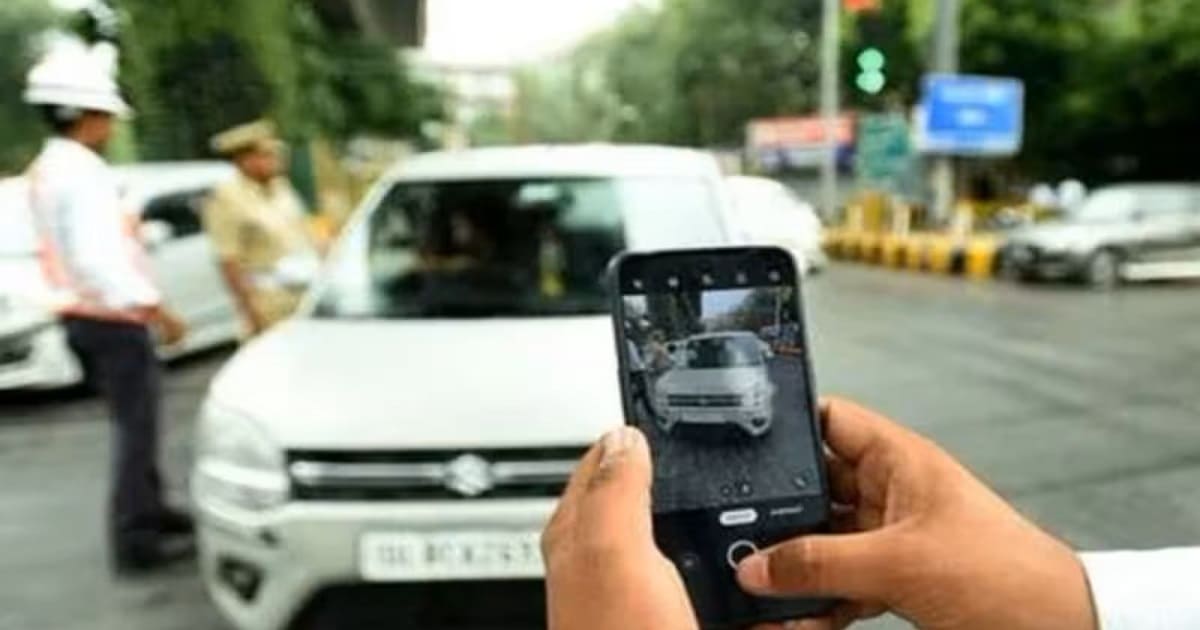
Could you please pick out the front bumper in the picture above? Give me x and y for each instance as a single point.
(755, 421)
(39, 359)
(290, 555)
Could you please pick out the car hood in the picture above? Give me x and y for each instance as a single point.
(728, 380)
(413, 384)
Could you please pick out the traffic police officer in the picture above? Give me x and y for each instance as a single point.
(96, 266)
(257, 225)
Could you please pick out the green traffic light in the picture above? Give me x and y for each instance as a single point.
(871, 81)
(871, 60)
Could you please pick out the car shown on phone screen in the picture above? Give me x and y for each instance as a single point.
(389, 457)
(722, 380)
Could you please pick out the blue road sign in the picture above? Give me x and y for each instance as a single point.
(971, 115)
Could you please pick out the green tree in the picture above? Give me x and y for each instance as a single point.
(21, 24)
(195, 67)
(694, 71)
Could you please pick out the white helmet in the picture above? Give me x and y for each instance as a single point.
(71, 75)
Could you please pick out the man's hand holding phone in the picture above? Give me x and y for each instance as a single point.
(919, 535)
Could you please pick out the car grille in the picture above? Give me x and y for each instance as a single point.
(704, 400)
(431, 475)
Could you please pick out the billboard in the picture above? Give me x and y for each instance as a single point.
(796, 142)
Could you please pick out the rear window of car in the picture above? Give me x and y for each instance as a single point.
(508, 247)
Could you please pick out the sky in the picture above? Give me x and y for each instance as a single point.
(507, 32)
(722, 301)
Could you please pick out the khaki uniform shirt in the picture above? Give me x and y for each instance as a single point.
(262, 228)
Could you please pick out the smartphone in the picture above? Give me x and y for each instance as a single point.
(715, 370)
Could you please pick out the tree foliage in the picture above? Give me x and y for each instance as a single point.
(690, 72)
(1110, 84)
(21, 24)
(195, 67)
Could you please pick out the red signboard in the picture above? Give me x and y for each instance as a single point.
(797, 132)
(859, 6)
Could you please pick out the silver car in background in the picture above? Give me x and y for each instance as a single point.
(34, 353)
(1119, 234)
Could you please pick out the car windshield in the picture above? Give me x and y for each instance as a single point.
(724, 352)
(505, 247)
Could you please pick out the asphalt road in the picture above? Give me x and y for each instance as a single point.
(1082, 408)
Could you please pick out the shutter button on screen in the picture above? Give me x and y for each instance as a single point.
(738, 552)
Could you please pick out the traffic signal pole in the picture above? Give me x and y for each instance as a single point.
(945, 60)
(830, 50)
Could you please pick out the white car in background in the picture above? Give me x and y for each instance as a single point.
(402, 441)
(766, 212)
(722, 379)
(33, 349)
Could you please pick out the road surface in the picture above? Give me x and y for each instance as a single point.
(1080, 407)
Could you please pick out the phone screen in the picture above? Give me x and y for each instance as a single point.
(716, 374)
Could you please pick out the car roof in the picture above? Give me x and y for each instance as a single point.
(581, 160)
(147, 180)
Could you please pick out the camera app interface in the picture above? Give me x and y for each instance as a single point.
(718, 381)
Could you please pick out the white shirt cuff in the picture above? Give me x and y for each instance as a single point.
(1146, 590)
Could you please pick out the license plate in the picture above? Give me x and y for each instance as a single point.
(406, 557)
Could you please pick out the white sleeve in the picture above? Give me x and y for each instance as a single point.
(1145, 590)
(98, 248)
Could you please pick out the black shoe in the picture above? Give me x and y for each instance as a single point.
(174, 523)
(130, 560)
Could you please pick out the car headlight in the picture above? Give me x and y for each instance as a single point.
(236, 463)
(758, 395)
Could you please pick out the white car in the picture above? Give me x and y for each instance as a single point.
(765, 212)
(721, 380)
(33, 349)
(404, 439)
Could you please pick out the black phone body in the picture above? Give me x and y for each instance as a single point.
(715, 370)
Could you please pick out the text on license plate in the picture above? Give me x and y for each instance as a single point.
(406, 557)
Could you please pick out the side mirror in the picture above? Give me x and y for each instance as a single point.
(155, 232)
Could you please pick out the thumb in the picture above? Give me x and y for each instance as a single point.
(850, 566)
(615, 501)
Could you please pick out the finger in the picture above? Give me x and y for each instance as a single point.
(614, 504)
(564, 512)
(843, 480)
(851, 566)
(852, 430)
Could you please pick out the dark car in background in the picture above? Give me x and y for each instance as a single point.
(1120, 233)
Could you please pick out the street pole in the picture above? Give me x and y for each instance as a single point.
(830, 50)
(945, 60)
